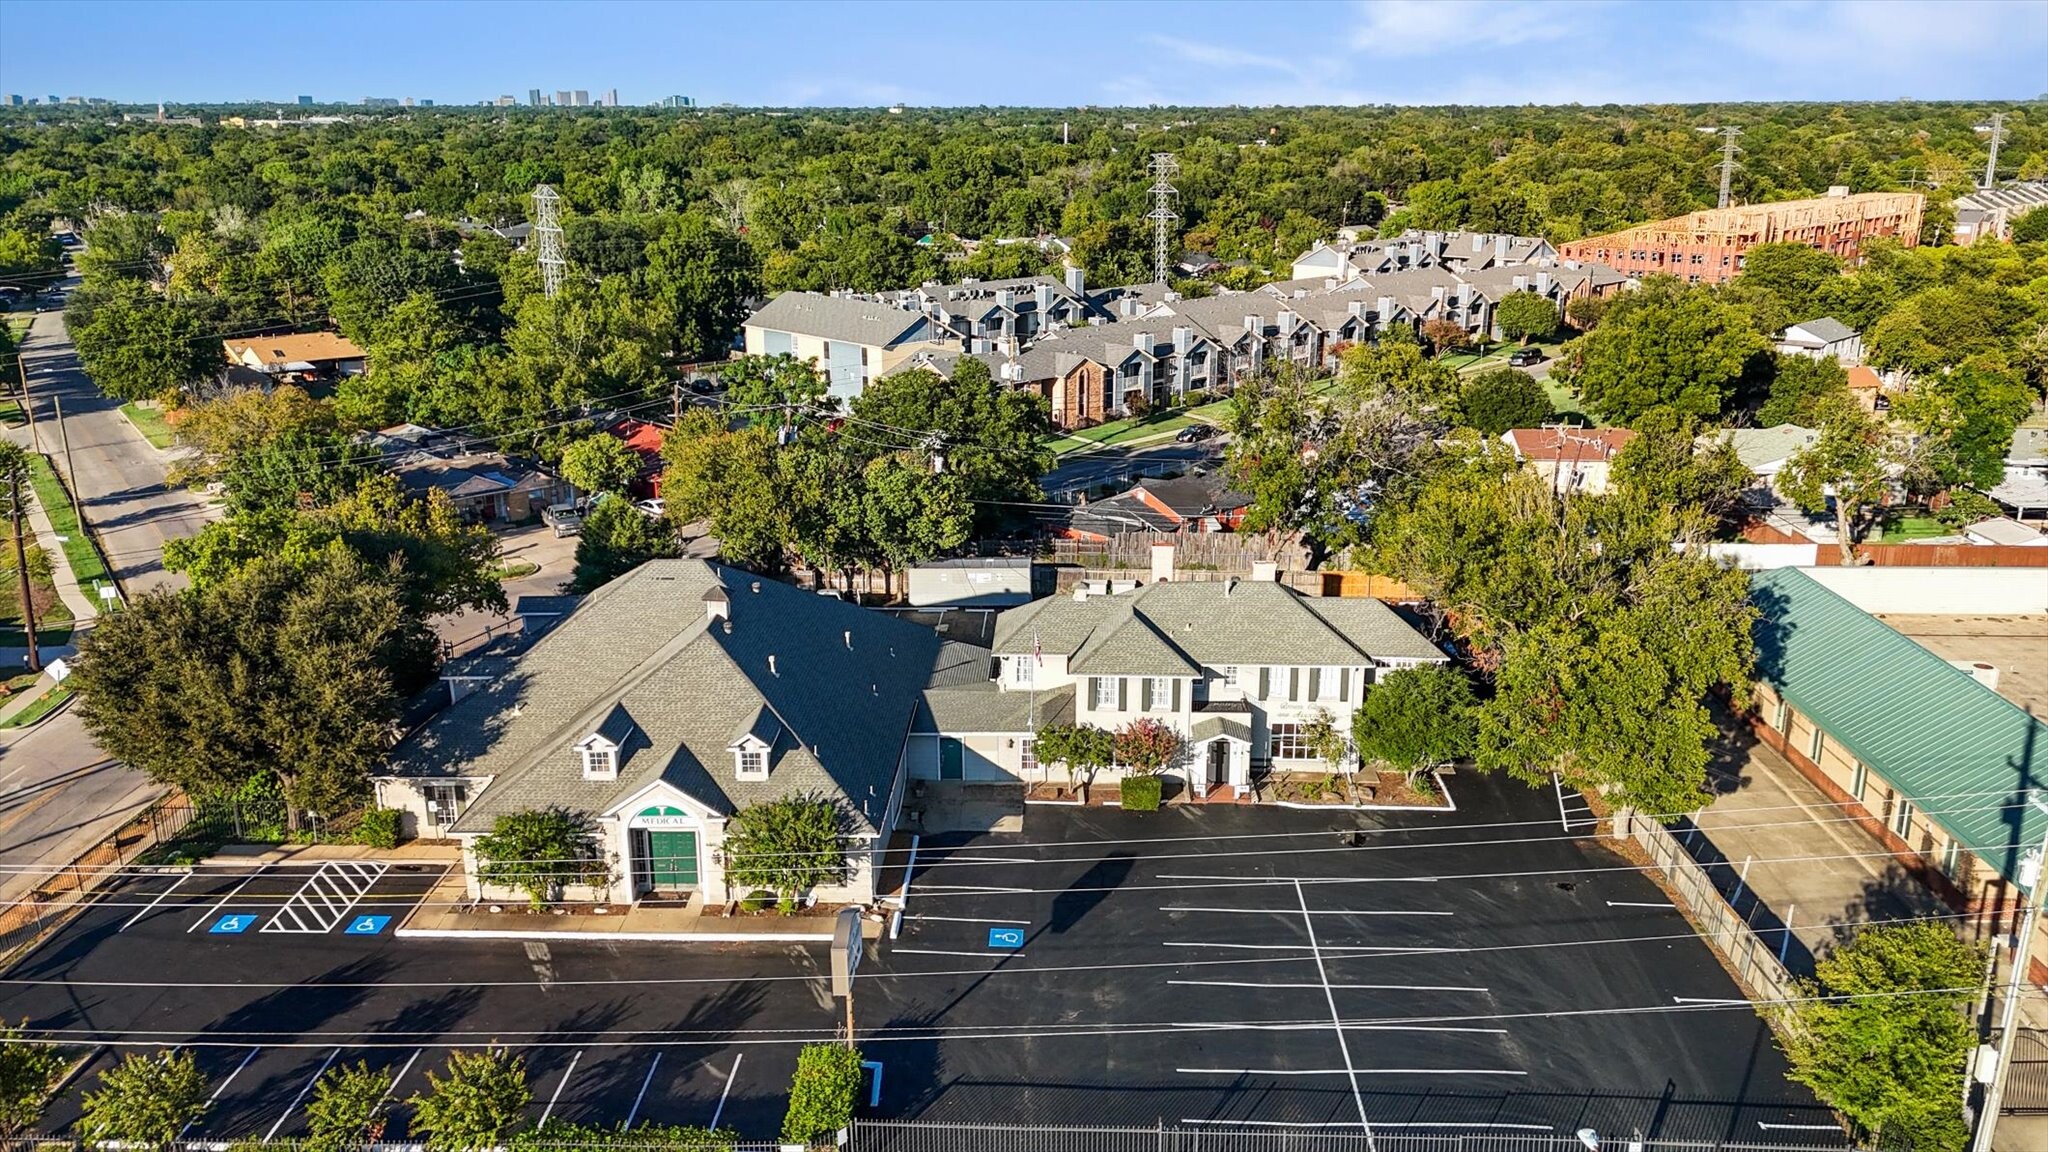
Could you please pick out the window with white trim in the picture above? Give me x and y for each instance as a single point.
(1859, 780)
(1229, 673)
(600, 762)
(1286, 743)
(1783, 720)
(1027, 754)
(1817, 745)
(1951, 858)
(1022, 670)
(1160, 689)
(752, 762)
(1902, 819)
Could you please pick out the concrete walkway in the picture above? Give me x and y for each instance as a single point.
(448, 913)
(83, 605)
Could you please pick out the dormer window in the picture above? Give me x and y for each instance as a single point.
(752, 762)
(600, 758)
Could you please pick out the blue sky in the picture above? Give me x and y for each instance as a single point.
(1057, 54)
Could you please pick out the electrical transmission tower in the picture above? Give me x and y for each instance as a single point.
(547, 235)
(1991, 162)
(1162, 215)
(1728, 151)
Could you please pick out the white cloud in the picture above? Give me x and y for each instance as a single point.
(1917, 47)
(1216, 55)
(1430, 27)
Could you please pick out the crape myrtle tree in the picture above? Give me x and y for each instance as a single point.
(147, 1100)
(477, 1103)
(787, 846)
(540, 851)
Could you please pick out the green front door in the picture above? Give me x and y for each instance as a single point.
(951, 766)
(671, 859)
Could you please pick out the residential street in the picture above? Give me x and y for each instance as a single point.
(58, 795)
(120, 484)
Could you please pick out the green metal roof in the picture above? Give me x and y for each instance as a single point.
(1965, 756)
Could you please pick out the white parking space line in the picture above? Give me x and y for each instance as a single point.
(566, 1073)
(1297, 911)
(1333, 952)
(635, 1113)
(1323, 974)
(1572, 808)
(210, 1100)
(1698, 1000)
(213, 914)
(1636, 904)
(1354, 1124)
(965, 920)
(151, 906)
(305, 1088)
(1227, 1026)
(1252, 881)
(999, 952)
(393, 1085)
(723, 1092)
(977, 889)
(1799, 1127)
(1339, 987)
(1352, 1072)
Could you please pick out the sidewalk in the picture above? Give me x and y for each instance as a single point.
(448, 913)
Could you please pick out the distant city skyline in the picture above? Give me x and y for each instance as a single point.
(1135, 52)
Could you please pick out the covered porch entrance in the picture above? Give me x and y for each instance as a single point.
(1220, 756)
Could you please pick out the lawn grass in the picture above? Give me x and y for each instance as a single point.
(38, 708)
(1909, 528)
(11, 413)
(150, 422)
(86, 567)
(515, 569)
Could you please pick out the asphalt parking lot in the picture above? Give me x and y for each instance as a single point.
(1230, 967)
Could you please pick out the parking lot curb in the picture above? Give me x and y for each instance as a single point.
(605, 937)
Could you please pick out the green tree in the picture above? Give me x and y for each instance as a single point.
(699, 275)
(297, 470)
(138, 346)
(1665, 345)
(347, 1108)
(280, 673)
(822, 1093)
(146, 1100)
(616, 539)
(1499, 399)
(734, 481)
(1417, 719)
(477, 1105)
(787, 846)
(1967, 415)
(1886, 1038)
(1525, 316)
(600, 463)
(1668, 467)
(754, 383)
(1398, 369)
(17, 487)
(223, 430)
(1802, 387)
(910, 513)
(1784, 284)
(989, 436)
(28, 1070)
(2031, 228)
(1078, 748)
(1846, 470)
(539, 850)
(1146, 746)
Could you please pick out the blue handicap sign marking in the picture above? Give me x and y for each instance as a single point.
(232, 924)
(1006, 937)
(366, 925)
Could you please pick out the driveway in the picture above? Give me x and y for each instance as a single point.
(120, 484)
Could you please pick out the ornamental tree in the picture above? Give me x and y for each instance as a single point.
(1525, 316)
(146, 1100)
(1417, 719)
(539, 850)
(479, 1102)
(1499, 399)
(1076, 747)
(1146, 746)
(27, 1072)
(347, 1108)
(787, 846)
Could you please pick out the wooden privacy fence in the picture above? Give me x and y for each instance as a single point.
(1231, 553)
(1951, 555)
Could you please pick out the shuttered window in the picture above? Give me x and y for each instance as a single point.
(1315, 683)
(1265, 682)
(1293, 684)
(1343, 685)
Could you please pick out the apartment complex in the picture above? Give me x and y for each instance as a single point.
(1706, 247)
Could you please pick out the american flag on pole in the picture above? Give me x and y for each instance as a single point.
(1037, 653)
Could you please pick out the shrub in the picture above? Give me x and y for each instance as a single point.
(789, 846)
(1141, 793)
(645, 1137)
(379, 828)
(822, 1093)
(539, 850)
(757, 900)
(481, 1101)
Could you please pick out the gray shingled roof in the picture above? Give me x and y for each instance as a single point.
(1827, 330)
(1168, 628)
(838, 318)
(640, 657)
(986, 708)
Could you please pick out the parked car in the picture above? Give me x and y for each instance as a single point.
(656, 507)
(563, 518)
(1196, 433)
(1524, 357)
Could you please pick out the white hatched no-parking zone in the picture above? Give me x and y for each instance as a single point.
(326, 897)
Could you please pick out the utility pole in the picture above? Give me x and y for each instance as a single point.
(2030, 911)
(1991, 161)
(1728, 151)
(64, 435)
(547, 233)
(28, 607)
(28, 406)
(1162, 215)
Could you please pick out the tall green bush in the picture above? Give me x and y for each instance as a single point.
(822, 1094)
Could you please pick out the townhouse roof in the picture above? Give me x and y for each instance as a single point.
(1761, 448)
(1173, 628)
(1827, 330)
(2025, 194)
(2029, 447)
(277, 352)
(986, 708)
(1965, 756)
(835, 686)
(851, 319)
(1554, 444)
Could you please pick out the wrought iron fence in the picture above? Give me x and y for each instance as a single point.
(927, 1136)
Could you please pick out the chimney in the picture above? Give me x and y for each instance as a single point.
(1252, 324)
(1266, 571)
(1521, 283)
(1356, 308)
(1436, 293)
(717, 605)
(1182, 338)
(1543, 284)
(1142, 341)
(1043, 297)
(1478, 243)
(1077, 281)
(1005, 298)
(1386, 309)
(1081, 592)
(1286, 319)
(1500, 246)
(1162, 563)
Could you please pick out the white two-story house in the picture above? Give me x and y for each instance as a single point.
(1236, 667)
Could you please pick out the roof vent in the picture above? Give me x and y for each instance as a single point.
(728, 627)
(757, 587)
(1080, 593)
(771, 665)
(849, 639)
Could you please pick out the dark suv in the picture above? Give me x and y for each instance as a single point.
(1524, 357)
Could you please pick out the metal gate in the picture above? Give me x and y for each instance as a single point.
(2026, 1082)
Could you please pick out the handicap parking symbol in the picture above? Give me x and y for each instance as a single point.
(366, 925)
(233, 923)
(1006, 937)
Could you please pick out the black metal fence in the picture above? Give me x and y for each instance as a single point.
(922, 1136)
